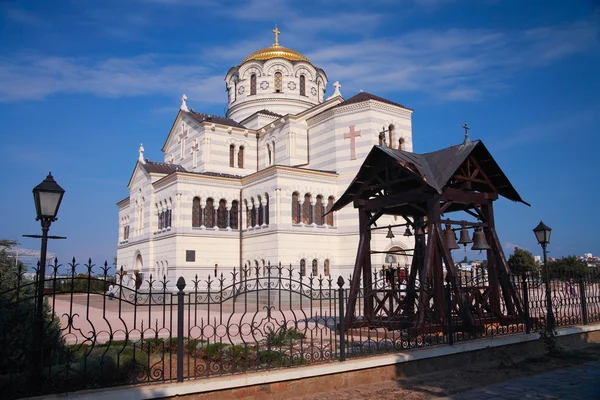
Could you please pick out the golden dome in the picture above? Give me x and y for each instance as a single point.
(276, 51)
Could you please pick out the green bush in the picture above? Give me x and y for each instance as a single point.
(17, 341)
(283, 336)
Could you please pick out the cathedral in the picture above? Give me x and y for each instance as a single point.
(255, 186)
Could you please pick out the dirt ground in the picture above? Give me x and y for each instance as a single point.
(445, 383)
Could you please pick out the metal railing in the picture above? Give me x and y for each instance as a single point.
(103, 330)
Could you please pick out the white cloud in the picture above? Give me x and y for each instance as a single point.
(449, 65)
(30, 76)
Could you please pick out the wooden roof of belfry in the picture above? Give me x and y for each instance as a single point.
(430, 172)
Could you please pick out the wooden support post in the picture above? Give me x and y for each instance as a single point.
(367, 277)
(415, 269)
(354, 284)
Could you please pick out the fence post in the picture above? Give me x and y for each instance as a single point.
(526, 303)
(584, 311)
(449, 313)
(180, 300)
(342, 319)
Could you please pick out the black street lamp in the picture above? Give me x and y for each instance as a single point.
(47, 196)
(542, 234)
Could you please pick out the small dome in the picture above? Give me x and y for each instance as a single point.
(276, 51)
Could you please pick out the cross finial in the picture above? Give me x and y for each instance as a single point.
(466, 128)
(336, 92)
(141, 154)
(276, 32)
(184, 103)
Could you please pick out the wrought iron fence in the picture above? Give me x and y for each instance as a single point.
(102, 329)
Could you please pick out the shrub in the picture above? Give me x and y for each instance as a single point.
(283, 336)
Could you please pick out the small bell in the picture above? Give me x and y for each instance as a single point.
(407, 232)
(450, 238)
(464, 236)
(479, 242)
(390, 234)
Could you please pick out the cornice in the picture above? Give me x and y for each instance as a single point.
(282, 170)
(352, 108)
(123, 203)
(259, 100)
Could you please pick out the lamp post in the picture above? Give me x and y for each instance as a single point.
(47, 196)
(542, 234)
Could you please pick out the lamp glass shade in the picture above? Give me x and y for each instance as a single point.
(542, 233)
(47, 196)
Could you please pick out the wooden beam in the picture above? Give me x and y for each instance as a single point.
(408, 197)
(489, 181)
(461, 196)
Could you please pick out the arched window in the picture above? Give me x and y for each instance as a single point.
(209, 213)
(241, 157)
(302, 85)
(222, 214)
(319, 210)
(233, 215)
(266, 209)
(231, 155)
(216, 268)
(401, 143)
(247, 214)
(329, 217)
(391, 135)
(270, 159)
(252, 84)
(253, 213)
(326, 268)
(278, 83)
(273, 151)
(161, 217)
(196, 213)
(307, 217)
(315, 267)
(260, 212)
(303, 267)
(295, 208)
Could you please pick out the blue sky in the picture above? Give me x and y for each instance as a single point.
(82, 83)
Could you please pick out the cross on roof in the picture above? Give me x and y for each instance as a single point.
(466, 127)
(276, 32)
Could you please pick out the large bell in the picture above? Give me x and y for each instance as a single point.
(450, 239)
(479, 242)
(390, 234)
(464, 236)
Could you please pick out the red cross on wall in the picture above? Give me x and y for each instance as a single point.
(352, 135)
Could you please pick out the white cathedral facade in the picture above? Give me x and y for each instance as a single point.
(254, 187)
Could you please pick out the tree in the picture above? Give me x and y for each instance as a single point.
(17, 311)
(522, 261)
(567, 267)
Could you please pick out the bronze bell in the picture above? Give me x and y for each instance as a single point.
(464, 236)
(479, 242)
(450, 238)
(407, 232)
(390, 234)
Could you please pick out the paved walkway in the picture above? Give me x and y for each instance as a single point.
(580, 382)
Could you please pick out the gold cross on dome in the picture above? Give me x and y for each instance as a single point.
(276, 32)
